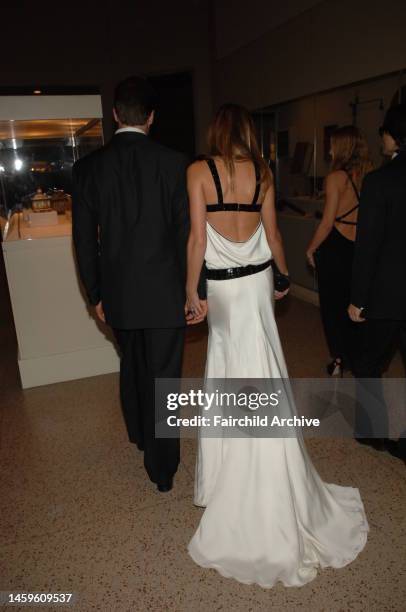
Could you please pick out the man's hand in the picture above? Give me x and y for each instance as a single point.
(278, 295)
(355, 314)
(310, 258)
(100, 312)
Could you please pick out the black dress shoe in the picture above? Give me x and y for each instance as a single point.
(335, 368)
(138, 444)
(396, 448)
(376, 443)
(165, 486)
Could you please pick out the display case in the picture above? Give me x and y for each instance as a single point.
(36, 159)
(295, 140)
(40, 139)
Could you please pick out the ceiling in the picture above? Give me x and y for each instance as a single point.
(45, 129)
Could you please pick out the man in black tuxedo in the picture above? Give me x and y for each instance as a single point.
(379, 278)
(130, 228)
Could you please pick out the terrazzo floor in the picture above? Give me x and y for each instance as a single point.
(78, 514)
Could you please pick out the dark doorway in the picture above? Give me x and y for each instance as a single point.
(174, 122)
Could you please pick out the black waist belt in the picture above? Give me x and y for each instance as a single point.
(236, 272)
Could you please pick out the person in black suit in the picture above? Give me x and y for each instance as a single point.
(130, 229)
(379, 279)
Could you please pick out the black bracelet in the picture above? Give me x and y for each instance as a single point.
(281, 282)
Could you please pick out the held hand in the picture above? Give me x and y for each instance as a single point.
(100, 312)
(310, 258)
(355, 314)
(195, 309)
(280, 294)
(194, 320)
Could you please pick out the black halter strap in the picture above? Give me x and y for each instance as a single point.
(214, 172)
(353, 186)
(257, 183)
(341, 218)
(234, 206)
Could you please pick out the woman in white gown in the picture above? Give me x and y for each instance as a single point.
(268, 516)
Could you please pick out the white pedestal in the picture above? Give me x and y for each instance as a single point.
(58, 337)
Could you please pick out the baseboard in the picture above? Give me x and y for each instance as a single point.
(304, 294)
(51, 369)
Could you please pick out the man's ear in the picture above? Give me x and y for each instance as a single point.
(151, 118)
(115, 115)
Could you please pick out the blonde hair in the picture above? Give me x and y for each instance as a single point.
(351, 153)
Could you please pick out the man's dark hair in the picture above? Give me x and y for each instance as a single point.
(134, 100)
(395, 124)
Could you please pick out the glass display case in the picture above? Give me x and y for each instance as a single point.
(295, 135)
(36, 158)
(295, 140)
(41, 137)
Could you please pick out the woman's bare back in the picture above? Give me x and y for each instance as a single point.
(233, 225)
(347, 200)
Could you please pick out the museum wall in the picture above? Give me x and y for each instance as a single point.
(334, 43)
(238, 23)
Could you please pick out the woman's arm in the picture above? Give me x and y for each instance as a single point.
(196, 247)
(268, 214)
(333, 189)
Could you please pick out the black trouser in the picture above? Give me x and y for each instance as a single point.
(334, 261)
(379, 340)
(147, 354)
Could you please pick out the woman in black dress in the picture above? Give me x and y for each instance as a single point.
(331, 249)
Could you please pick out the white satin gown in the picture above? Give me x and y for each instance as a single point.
(268, 516)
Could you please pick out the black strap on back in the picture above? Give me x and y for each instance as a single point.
(341, 218)
(353, 185)
(257, 183)
(233, 206)
(214, 172)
